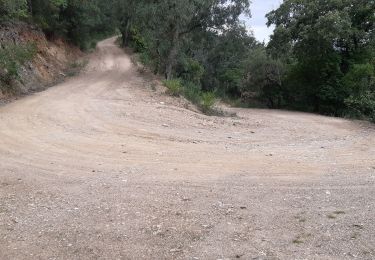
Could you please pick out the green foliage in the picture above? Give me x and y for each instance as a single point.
(191, 70)
(264, 77)
(12, 57)
(362, 106)
(226, 60)
(203, 43)
(86, 22)
(145, 58)
(360, 78)
(174, 86)
(82, 22)
(231, 79)
(75, 67)
(192, 92)
(360, 83)
(137, 41)
(321, 57)
(47, 14)
(208, 100)
(328, 49)
(13, 9)
(169, 28)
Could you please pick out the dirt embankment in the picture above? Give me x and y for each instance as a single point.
(52, 62)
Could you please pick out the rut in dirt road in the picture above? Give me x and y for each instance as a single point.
(104, 167)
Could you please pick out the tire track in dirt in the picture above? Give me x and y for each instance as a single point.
(103, 167)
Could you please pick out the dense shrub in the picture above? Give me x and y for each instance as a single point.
(13, 9)
(362, 106)
(137, 41)
(174, 86)
(191, 70)
(12, 57)
(192, 92)
(208, 100)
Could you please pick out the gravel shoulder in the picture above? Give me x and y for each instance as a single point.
(103, 166)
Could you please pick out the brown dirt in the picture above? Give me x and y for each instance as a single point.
(104, 167)
(53, 59)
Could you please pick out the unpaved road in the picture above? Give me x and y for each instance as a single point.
(104, 167)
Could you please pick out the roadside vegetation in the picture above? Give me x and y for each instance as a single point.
(321, 56)
(81, 22)
(203, 100)
(12, 57)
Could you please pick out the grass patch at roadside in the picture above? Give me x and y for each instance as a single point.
(12, 57)
(76, 67)
(174, 87)
(208, 101)
(205, 101)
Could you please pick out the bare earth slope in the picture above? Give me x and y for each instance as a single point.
(102, 167)
(53, 59)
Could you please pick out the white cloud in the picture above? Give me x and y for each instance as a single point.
(257, 23)
(262, 33)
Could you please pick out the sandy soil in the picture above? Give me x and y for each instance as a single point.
(104, 167)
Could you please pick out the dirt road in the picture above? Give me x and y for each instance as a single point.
(105, 167)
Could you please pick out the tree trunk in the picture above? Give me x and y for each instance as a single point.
(169, 70)
(271, 104)
(30, 7)
(125, 32)
(171, 60)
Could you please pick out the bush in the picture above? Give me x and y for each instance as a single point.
(264, 78)
(362, 106)
(13, 9)
(12, 57)
(360, 83)
(192, 92)
(208, 100)
(145, 58)
(76, 67)
(204, 100)
(360, 78)
(174, 86)
(137, 41)
(192, 70)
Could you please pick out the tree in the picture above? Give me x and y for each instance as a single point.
(182, 18)
(167, 24)
(84, 21)
(226, 58)
(12, 9)
(325, 40)
(264, 77)
(47, 14)
(127, 14)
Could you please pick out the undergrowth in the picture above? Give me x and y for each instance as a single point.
(208, 100)
(174, 87)
(76, 67)
(205, 101)
(12, 57)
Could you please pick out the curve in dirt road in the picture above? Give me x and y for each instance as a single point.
(104, 166)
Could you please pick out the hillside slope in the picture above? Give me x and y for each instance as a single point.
(104, 167)
(50, 63)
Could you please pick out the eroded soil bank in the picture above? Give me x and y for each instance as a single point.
(53, 61)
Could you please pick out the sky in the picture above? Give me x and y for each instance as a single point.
(257, 23)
